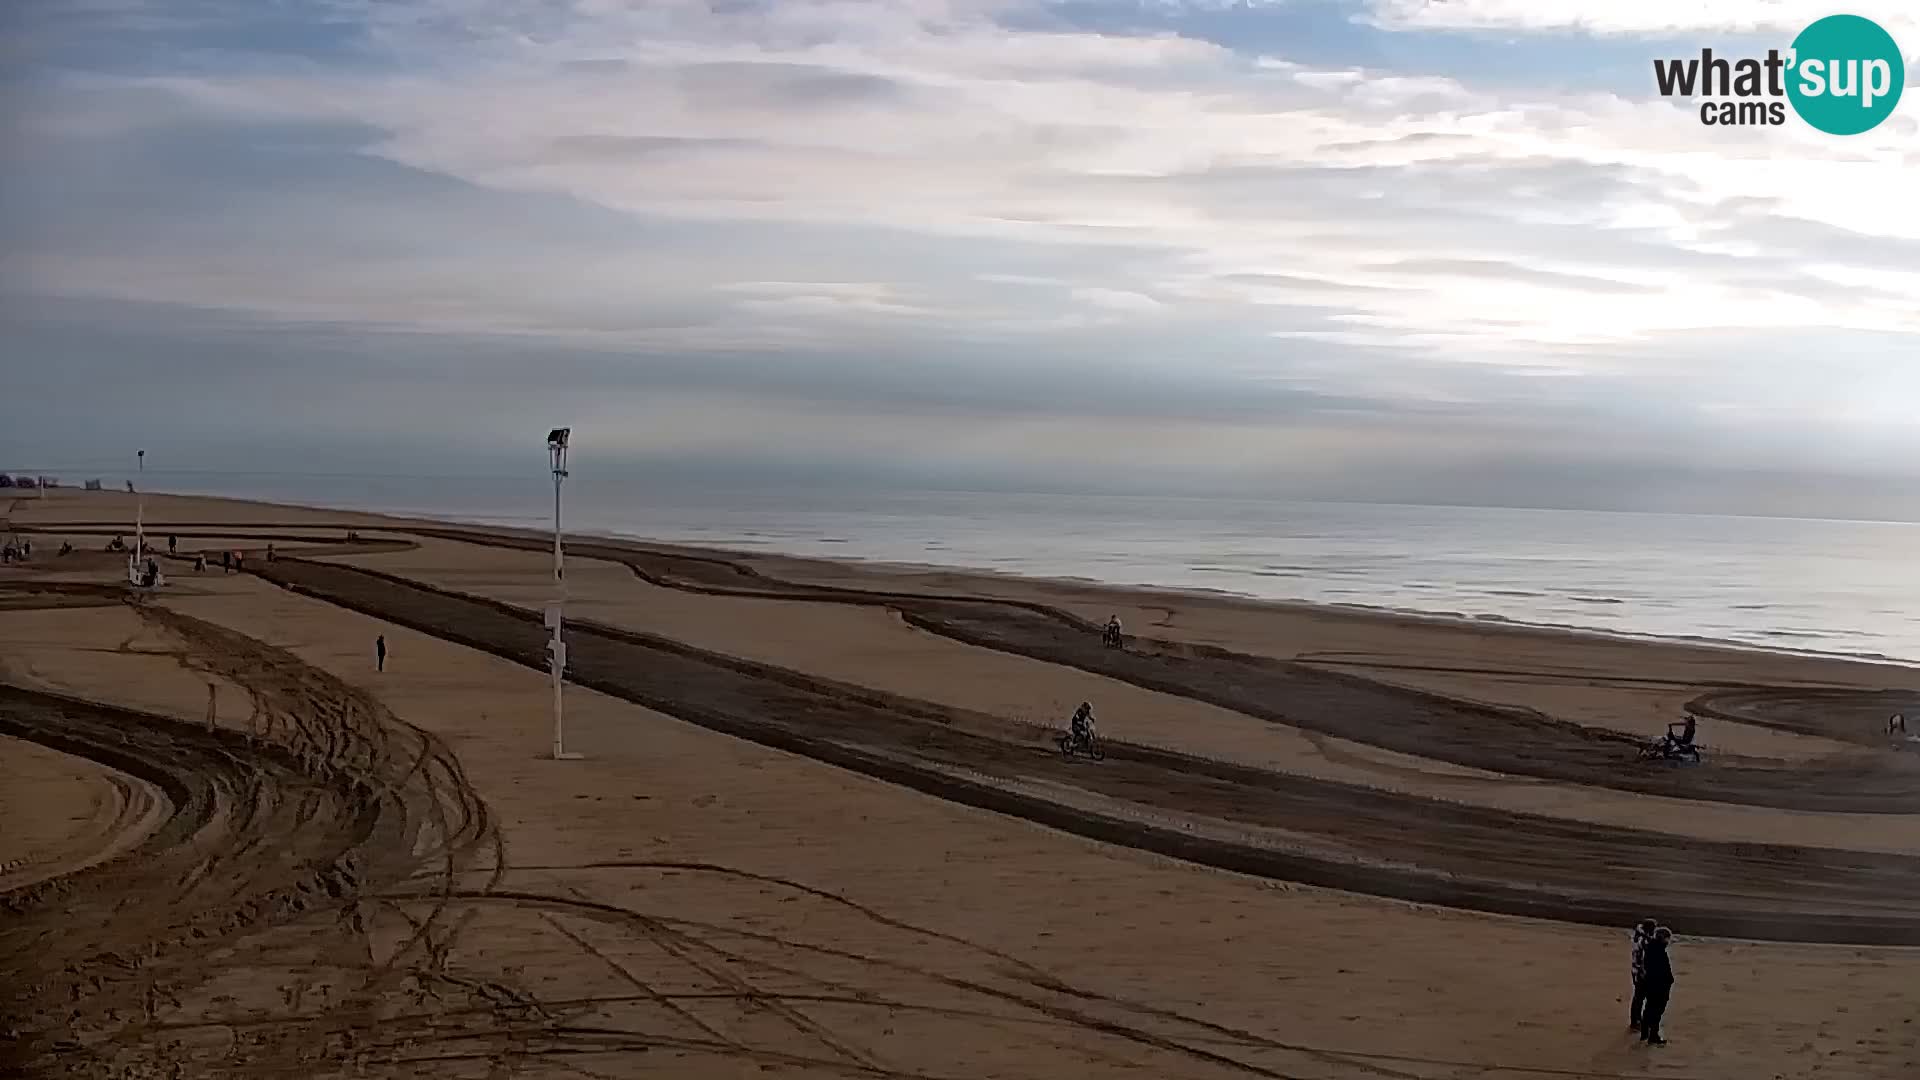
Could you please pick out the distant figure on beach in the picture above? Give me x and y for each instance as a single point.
(1897, 724)
(1657, 979)
(1112, 634)
(226, 562)
(1642, 933)
(173, 542)
(199, 563)
(66, 547)
(380, 653)
(269, 552)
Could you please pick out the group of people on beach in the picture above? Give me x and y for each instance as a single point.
(229, 562)
(1652, 980)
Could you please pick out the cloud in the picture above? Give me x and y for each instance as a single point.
(834, 202)
(1637, 17)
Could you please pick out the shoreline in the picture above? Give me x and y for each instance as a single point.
(1490, 623)
(1368, 612)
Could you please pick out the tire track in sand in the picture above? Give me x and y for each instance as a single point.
(1362, 840)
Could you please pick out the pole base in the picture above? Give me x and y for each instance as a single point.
(567, 755)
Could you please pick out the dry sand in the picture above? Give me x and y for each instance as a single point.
(874, 647)
(837, 925)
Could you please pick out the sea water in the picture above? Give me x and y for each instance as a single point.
(1801, 585)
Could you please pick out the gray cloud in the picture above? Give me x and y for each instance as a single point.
(785, 237)
(636, 148)
(786, 85)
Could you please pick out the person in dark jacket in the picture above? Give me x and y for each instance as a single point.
(380, 653)
(1642, 933)
(1656, 981)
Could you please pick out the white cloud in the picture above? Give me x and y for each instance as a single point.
(1120, 300)
(1634, 17)
(968, 132)
(988, 184)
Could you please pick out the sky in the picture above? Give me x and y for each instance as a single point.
(1405, 250)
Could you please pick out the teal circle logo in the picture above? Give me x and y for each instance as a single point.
(1847, 75)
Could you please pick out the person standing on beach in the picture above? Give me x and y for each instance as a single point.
(1657, 981)
(226, 562)
(380, 653)
(173, 542)
(1642, 933)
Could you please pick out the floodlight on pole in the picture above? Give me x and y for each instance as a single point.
(139, 520)
(557, 646)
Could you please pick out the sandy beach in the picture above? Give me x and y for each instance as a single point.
(821, 828)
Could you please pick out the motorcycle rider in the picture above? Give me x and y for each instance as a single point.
(1113, 629)
(1080, 728)
(1683, 740)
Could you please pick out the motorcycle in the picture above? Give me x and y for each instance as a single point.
(1668, 748)
(1088, 744)
(1110, 637)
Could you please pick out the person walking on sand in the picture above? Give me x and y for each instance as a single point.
(173, 542)
(226, 562)
(1657, 981)
(1642, 933)
(380, 653)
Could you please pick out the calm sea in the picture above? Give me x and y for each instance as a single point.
(1802, 585)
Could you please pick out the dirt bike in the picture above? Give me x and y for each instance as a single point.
(1088, 744)
(1668, 748)
(1110, 637)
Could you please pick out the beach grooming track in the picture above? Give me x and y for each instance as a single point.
(1263, 822)
(335, 844)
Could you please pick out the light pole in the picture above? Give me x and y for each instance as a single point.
(557, 647)
(139, 521)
